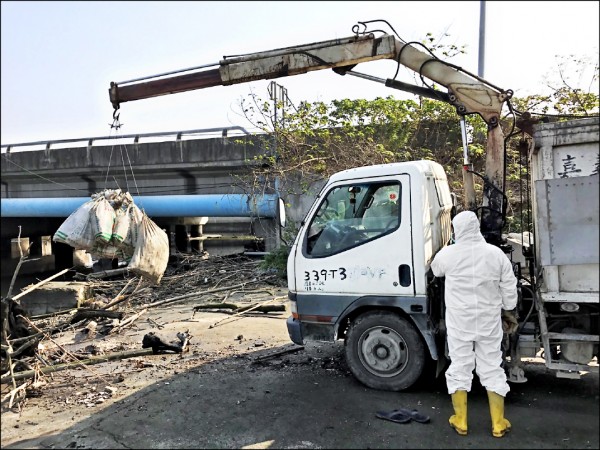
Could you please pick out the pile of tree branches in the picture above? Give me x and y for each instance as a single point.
(30, 345)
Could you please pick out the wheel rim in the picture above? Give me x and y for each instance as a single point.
(383, 351)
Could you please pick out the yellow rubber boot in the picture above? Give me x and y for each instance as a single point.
(500, 425)
(459, 420)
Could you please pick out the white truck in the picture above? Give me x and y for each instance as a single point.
(358, 269)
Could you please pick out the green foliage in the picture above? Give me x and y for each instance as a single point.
(276, 261)
(571, 90)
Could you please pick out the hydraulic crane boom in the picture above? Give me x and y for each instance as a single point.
(467, 92)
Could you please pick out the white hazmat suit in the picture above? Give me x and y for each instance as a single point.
(479, 283)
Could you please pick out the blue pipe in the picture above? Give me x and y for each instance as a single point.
(211, 205)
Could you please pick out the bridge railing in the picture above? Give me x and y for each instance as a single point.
(179, 135)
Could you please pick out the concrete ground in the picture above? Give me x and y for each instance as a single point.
(221, 394)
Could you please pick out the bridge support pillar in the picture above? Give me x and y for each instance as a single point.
(63, 255)
(181, 238)
(196, 244)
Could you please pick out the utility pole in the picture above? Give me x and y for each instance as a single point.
(278, 95)
(481, 62)
(468, 182)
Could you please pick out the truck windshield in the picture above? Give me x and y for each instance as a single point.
(351, 215)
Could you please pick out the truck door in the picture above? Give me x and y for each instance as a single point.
(358, 241)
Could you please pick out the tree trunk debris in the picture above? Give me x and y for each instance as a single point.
(221, 307)
(161, 343)
(30, 346)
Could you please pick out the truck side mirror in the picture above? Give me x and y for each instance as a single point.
(281, 212)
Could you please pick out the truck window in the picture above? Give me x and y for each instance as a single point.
(351, 215)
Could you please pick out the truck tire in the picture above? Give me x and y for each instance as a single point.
(384, 351)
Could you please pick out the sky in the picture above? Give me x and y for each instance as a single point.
(58, 58)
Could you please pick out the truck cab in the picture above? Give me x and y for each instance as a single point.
(358, 269)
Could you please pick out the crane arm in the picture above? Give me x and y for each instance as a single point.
(467, 92)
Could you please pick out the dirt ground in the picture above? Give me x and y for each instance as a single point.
(82, 391)
(243, 384)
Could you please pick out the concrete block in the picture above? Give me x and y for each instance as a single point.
(46, 245)
(56, 296)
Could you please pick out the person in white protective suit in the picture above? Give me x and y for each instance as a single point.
(480, 284)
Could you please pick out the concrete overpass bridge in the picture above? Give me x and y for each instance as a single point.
(193, 166)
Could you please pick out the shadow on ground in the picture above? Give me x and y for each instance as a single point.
(308, 399)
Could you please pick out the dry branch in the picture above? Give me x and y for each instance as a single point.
(106, 273)
(14, 392)
(120, 297)
(263, 308)
(84, 313)
(209, 306)
(65, 351)
(21, 260)
(199, 293)
(223, 307)
(53, 314)
(244, 311)
(127, 322)
(41, 283)
(279, 353)
(87, 362)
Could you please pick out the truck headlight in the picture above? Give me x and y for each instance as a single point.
(569, 307)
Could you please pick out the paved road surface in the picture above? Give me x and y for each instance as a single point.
(309, 400)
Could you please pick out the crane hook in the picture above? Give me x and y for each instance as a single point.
(116, 124)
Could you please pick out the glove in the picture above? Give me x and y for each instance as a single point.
(509, 322)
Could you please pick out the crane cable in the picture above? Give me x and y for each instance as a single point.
(116, 125)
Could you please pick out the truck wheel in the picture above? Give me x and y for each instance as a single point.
(384, 351)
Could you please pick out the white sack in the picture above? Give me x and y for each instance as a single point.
(133, 232)
(121, 226)
(102, 218)
(151, 253)
(76, 230)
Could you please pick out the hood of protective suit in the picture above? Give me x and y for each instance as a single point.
(466, 227)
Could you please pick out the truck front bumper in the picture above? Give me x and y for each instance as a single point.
(295, 330)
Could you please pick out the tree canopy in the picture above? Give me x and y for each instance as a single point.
(312, 141)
